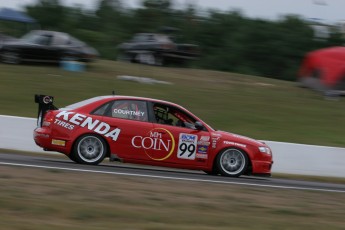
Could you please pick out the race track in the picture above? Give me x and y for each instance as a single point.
(119, 169)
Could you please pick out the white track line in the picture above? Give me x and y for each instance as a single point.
(171, 178)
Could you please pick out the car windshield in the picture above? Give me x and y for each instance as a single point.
(36, 38)
(85, 102)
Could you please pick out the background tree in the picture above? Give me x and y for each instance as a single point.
(228, 40)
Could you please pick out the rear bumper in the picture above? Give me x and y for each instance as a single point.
(43, 138)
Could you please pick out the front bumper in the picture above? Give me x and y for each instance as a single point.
(262, 168)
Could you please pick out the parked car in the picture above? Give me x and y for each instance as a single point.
(46, 46)
(156, 49)
(146, 131)
(5, 38)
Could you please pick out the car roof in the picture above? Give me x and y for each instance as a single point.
(48, 32)
(106, 97)
(143, 98)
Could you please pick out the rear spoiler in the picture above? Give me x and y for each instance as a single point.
(45, 103)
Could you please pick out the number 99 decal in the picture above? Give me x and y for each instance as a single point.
(187, 146)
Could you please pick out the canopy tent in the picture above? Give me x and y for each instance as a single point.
(324, 69)
(8, 14)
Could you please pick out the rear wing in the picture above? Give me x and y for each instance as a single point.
(45, 103)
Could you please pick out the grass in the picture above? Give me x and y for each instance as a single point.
(42, 199)
(258, 107)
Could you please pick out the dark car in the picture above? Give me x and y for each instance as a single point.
(156, 49)
(46, 46)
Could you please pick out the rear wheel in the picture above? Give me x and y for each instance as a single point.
(147, 58)
(232, 162)
(89, 149)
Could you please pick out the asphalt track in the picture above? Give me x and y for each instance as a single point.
(120, 169)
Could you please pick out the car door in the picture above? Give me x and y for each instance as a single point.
(41, 50)
(179, 142)
(130, 117)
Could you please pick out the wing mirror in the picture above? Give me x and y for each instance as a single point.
(199, 126)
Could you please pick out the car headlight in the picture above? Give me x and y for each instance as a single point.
(264, 150)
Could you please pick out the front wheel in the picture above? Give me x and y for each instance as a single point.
(89, 149)
(232, 162)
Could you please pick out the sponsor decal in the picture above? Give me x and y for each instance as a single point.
(158, 144)
(187, 146)
(58, 142)
(64, 124)
(129, 112)
(201, 156)
(202, 152)
(202, 149)
(204, 138)
(207, 143)
(234, 144)
(47, 100)
(69, 120)
(214, 141)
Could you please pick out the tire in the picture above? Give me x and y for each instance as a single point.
(146, 58)
(232, 162)
(72, 157)
(89, 149)
(11, 57)
(213, 172)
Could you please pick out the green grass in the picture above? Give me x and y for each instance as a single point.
(261, 108)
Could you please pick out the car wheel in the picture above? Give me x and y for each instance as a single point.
(212, 172)
(232, 162)
(11, 57)
(146, 58)
(89, 149)
(72, 157)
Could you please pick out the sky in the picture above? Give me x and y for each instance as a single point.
(328, 11)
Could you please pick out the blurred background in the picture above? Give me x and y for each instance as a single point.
(266, 42)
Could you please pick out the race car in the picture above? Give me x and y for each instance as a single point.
(146, 131)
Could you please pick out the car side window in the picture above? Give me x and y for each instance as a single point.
(44, 39)
(130, 109)
(103, 110)
(170, 115)
(59, 40)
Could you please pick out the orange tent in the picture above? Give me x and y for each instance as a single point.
(324, 69)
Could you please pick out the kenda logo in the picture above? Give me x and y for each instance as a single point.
(85, 121)
(158, 144)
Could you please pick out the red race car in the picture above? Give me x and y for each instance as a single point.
(146, 131)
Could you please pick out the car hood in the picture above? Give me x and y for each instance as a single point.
(233, 137)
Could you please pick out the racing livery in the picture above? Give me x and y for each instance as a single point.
(146, 131)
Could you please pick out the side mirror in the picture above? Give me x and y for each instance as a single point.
(199, 126)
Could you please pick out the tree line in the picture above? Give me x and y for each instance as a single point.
(229, 41)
